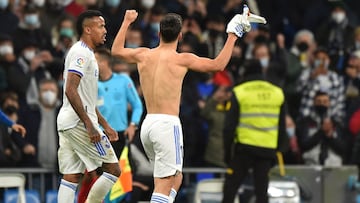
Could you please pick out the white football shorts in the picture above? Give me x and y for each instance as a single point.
(162, 138)
(76, 153)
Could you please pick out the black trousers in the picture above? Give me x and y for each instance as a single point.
(119, 144)
(240, 165)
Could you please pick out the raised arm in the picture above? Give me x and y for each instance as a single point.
(203, 64)
(238, 25)
(129, 55)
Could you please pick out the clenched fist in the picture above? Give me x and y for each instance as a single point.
(130, 15)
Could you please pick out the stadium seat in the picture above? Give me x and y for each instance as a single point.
(31, 196)
(51, 196)
(14, 180)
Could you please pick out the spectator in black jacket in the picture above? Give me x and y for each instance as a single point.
(320, 137)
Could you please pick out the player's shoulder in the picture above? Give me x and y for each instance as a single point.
(80, 48)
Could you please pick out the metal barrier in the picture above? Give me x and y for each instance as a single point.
(327, 184)
(318, 184)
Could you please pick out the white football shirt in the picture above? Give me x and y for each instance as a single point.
(80, 60)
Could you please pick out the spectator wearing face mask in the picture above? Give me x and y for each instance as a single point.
(151, 26)
(10, 153)
(7, 58)
(9, 105)
(273, 70)
(52, 12)
(30, 29)
(298, 58)
(213, 36)
(63, 36)
(39, 147)
(320, 136)
(336, 35)
(8, 20)
(320, 76)
(31, 67)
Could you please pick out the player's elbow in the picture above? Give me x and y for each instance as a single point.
(126, 55)
(218, 66)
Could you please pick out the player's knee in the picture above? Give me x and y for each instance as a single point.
(117, 172)
(74, 178)
(112, 168)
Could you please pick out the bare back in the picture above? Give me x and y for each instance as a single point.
(161, 78)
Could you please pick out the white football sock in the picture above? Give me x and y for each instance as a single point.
(101, 187)
(159, 198)
(172, 195)
(66, 192)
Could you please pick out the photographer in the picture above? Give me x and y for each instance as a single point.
(320, 137)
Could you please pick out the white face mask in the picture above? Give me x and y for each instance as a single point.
(6, 49)
(155, 26)
(290, 131)
(4, 4)
(31, 19)
(318, 62)
(148, 3)
(338, 17)
(29, 55)
(48, 97)
(113, 3)
(264, 62)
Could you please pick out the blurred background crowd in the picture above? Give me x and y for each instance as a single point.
(310, 48)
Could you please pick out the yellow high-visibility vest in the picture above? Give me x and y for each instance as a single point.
(260, 104)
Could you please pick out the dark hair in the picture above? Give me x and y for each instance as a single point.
(11, 95)
(321, 92)
(321, 50)
(46, 81)
(259, 45)
(170, 27)
(83, 16)
(62, 19)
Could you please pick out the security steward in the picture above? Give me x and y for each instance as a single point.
(253, 126)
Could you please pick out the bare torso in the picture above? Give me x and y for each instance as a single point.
(161, 79)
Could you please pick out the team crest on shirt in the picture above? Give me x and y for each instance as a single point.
(80, 61)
